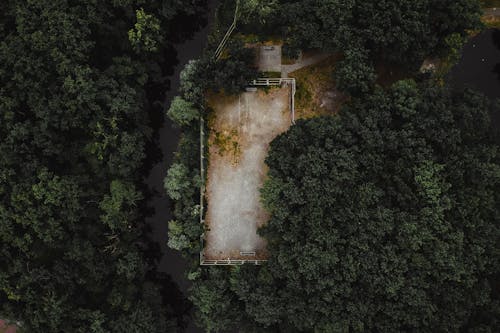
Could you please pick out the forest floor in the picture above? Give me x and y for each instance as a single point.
(240, 131)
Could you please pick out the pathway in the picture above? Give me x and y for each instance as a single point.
(495, 12)
(301, 63)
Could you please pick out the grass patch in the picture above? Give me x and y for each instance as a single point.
(316, 94)
(303, 96)
(287, 61)
(211, 117)
(491, 21)
(227, 143)
(252, 38)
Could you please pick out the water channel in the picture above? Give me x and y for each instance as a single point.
(479, 68)
(167, 137)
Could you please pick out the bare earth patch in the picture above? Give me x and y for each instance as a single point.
(240, 131)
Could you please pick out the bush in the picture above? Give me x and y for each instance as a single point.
(182, 112)
(177, 182)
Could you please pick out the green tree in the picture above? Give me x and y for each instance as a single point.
(177, 239)
(182, 184)
(74, 101)
(218, 310)
(383, 219)
(182, 112)
(119, 205)
(401, 32)
(230, 74)
(257, 11)
(234, 70)
(355, 74)
(178, 181)
(145, 36)
(192, 81)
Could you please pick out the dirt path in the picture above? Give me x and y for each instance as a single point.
(304, 62)
(495, 12)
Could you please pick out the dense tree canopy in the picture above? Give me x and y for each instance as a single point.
(383, 219)
(230, 75)
(182, 112)
(396, 31)
(76, 82)
(389, 214)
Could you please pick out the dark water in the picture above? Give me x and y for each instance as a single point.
(479, 68)
(167, 137)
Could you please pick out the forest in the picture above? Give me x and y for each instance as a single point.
(384, 217)
(78, 83)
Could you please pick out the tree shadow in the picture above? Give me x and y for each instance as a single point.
(495, 36)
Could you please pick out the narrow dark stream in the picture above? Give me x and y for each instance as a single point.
(479, 68)
(171, 262)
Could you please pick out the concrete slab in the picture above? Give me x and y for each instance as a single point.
(269, 58)
(241, 129)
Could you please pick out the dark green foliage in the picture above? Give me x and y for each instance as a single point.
(182, 112)
(73, 126)
(234, 70)
(383, 219)
(400, 31)
(178, 181)
(218, 308)
(230, 74)
(355, 73)
(182, 185)
(193, 81)
(395, 31)
(146, 33)
(257, 12)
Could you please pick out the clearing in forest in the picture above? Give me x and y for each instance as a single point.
(240, 131)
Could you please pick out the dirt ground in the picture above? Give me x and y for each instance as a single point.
(240, 131)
